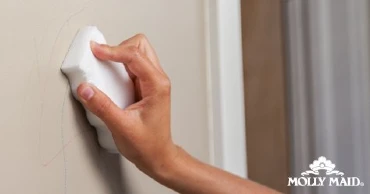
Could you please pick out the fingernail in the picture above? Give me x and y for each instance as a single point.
(87, 93)
(93, 44)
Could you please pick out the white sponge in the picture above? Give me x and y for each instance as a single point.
(80, 65)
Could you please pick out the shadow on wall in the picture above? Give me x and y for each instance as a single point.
(107, 164)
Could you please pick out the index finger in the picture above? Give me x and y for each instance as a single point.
(131, 57)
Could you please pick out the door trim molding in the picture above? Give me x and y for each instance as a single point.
(225, 85)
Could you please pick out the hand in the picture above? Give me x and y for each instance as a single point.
(142, 130)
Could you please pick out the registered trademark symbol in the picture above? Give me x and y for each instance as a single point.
(362, 184)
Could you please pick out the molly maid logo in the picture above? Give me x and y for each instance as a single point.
(332, 177)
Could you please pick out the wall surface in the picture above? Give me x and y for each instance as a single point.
(46, 144)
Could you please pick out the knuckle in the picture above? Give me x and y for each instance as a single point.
(113, 52)
(134, 53)
(165, 86)
(140, 36)
(103, 108)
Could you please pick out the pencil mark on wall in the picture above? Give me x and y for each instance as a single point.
(51, 21)
(27, 82)
(60, 30)
(44, 81)
(58, 36)
(60, 151)
(64, 144)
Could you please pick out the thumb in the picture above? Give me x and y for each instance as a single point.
(99, 104)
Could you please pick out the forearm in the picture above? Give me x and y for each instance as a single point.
(187, 175)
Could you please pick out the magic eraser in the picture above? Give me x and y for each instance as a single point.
(80, 65)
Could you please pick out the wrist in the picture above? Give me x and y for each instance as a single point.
(171, 167)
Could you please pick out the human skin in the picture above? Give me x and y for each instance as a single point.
(142, 131)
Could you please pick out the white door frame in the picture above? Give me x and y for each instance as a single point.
(225, 85)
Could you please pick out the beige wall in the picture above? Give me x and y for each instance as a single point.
(46, 144)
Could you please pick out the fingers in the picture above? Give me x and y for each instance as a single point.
(141, 63)
(99, 104)
(136, 62)
(145, 47)
(142, 44)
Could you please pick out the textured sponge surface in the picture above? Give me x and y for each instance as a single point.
(80, 65)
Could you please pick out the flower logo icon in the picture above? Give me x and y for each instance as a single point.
(322, 164)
